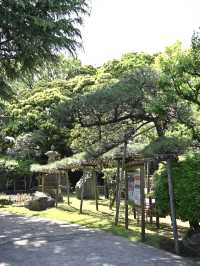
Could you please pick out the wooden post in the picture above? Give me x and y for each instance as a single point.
(43, 183)
(106, 192)
(14, 185)
(57, 188)
(68, 190)
(96, 191)
(157, 221)
(112, 201)
(148, 191)
(25, 184)
(82, 193)
(118, 192)
(126, 200)
(59, 183)
(122, 175)
(134, 213)
(172, 206)
(142, 202)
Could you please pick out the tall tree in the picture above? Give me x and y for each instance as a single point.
(32, 32)
(181, 78)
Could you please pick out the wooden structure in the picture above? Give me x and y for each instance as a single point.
(125, 161)
(130, 162)
(53, 184)
(59, 169)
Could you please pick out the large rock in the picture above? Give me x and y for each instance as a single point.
(39, 202)
(89, 189)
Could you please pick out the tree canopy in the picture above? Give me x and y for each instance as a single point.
(33, 32)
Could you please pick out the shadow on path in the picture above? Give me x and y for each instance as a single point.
(26, 241)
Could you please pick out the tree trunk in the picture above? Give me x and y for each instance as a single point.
(172, 206)
(118, 192)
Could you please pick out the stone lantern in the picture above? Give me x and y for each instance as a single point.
(52, 155)
(50, 183)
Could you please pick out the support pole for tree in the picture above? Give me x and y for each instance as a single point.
(123, 176)
(43, 181)
(68, 189)
(118, 192)
(172, 206)
(157, 220)
(106, 193)
(126, 200)
(148, 191)
(142, 202)
(82, 193)
(57, 189)
(96, 190)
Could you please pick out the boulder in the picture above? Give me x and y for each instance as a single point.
(89, 189)
(39, 202)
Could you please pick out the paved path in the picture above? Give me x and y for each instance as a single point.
(27, 241)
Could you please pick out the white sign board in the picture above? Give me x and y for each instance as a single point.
(134, 187)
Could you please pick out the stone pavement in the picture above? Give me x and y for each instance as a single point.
(27, 241)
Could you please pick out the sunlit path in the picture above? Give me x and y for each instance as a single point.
(39, 241)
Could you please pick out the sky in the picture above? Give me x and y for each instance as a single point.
(116, 27)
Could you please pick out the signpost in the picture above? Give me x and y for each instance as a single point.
(136, 193)
(134, 186)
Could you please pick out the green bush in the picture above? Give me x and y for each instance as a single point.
(186, 177)
(5, 202)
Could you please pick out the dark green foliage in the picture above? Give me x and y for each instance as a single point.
(12, 171)
(186, 177)
(33, 32)
(5, 202)
(31, 112)
(167, 146)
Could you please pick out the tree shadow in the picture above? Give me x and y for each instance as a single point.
(39, 241)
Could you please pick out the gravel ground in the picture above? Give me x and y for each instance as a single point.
(27, 241)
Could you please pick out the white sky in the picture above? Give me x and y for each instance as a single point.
(116, 27)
